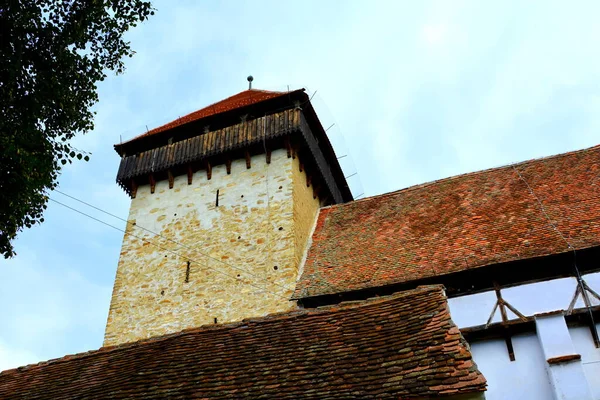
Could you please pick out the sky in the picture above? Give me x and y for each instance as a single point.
(417, 91)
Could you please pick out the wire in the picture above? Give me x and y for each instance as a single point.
(164, 248)
(577, 272)
(171, 240)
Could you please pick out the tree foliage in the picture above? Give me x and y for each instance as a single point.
(52, 55)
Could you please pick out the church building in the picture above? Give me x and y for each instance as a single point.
(248, 270)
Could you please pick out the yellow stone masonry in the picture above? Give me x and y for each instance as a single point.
(243, 254)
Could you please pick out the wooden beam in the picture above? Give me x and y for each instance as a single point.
(500, 302)
(190, 174)
(588, 304)
(563, 359)
(308, 180)
(134, 188)
(248, 164)
(300, 166)
(516, 326)
(228, 166)
(583, 289)
(268, 156)
(316, 191)
(152, 183)
(288, 146)
(208, 170)
(503, 304)
(171, 178)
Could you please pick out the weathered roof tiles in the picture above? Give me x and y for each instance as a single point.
(456, 224)
(242, 99)
(400, 346)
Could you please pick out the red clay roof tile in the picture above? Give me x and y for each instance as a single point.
(455, 224)
(400, 346)
(242, 99)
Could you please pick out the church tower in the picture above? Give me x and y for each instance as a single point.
(223, 203)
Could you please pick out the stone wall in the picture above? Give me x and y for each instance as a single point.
(243, 254)
(305, 211)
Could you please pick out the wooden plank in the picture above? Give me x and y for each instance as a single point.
(500, 302)
(171, 178)
(316, 191)
(152, 183)
(134, 188)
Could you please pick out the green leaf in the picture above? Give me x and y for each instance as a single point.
(48, 90)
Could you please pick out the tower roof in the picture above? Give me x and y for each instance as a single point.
(240, 100)
(248, 123)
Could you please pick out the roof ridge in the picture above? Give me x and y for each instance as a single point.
(450, 178)
(343, 306)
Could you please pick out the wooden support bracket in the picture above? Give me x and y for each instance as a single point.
(152, 183)
(190, 174)
(308, 180)
(208, 170)
(288, 147)
(584, 290)
(171, 178)
(228, 166)
(134, 188)
(503, 304)
(248, 164)
(268, 156)
(316, 190)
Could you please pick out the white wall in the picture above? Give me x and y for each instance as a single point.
(590, 356)
(522, 379)
(526, 377)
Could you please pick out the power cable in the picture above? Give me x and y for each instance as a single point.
(168, 239)
(168, 250)
(579, 278)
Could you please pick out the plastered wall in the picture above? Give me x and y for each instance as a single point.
(526, 378)
(243, 254)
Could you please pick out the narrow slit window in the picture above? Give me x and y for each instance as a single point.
(217, 199)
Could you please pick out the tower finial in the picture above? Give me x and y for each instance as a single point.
(250, 79)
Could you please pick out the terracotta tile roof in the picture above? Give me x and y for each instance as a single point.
(242, 99)
(400, 346)
(455, 224)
